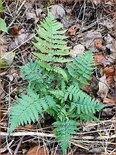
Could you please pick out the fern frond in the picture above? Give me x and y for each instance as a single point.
(83, 102)
(32, 72)
(63, 132)
(86, 105)
(82, 67)
(28, 108)
(54, 68)
(51, 44)
(47, 58)
(59, 70)
(57, 93)
(71, 93)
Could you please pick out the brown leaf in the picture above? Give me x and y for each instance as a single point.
(108, 100)
(110, 80)
(14, 30)
(37, 150)
(99, 44)
(72, 30)
(100, 59)
(109, 71)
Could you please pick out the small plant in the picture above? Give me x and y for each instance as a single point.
(3, 26)
(55, 82)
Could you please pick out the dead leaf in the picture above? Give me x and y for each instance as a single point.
(88, 39)
(21, 38)
(58, 12)
(14, 30)
(30, 14)
(101, 59)
(108, 100)
(103, 87)
(96, 2)
(38, 12)
(110, 80)
(99, 44)
(72, 30)
(6, 59)
(77, 50)
(109, 71)
(37, 150)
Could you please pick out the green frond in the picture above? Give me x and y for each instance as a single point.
(57, 93)
(63, 132)
(32, 72)
(47, 58)
(54, 68)
(45, 65)
(82, 67)
(84, 103)
(71, 93)
(28, 109)
(51, 45)
(61, 71)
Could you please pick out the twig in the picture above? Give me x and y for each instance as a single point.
(40, 134)
(15, 134)
(18, 146)
(17, 13)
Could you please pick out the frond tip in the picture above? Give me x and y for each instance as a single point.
(63, 131)
(51, 44)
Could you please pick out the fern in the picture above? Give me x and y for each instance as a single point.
(81, 101)
(29, 108)
(51, 44)
(82, 67)
(55, 90)
(63, 131)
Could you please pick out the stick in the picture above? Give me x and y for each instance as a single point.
(40, 134)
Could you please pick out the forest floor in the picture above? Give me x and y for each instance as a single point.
(90, 25)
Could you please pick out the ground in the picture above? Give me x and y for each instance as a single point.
(90, 26)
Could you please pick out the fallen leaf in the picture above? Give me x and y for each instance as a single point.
(21, 38)
(108, 100)
(110, 80)
(58, 12)
(103, 87)
(89, 38)
(14, 30)
(96, 2)
(101, 59)
(38, 12)
(109, 71)
(37, 150)
(99, 44)
(7, 59)
(3, 26)
(30, 14)
(72, 30)
(77, 50)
